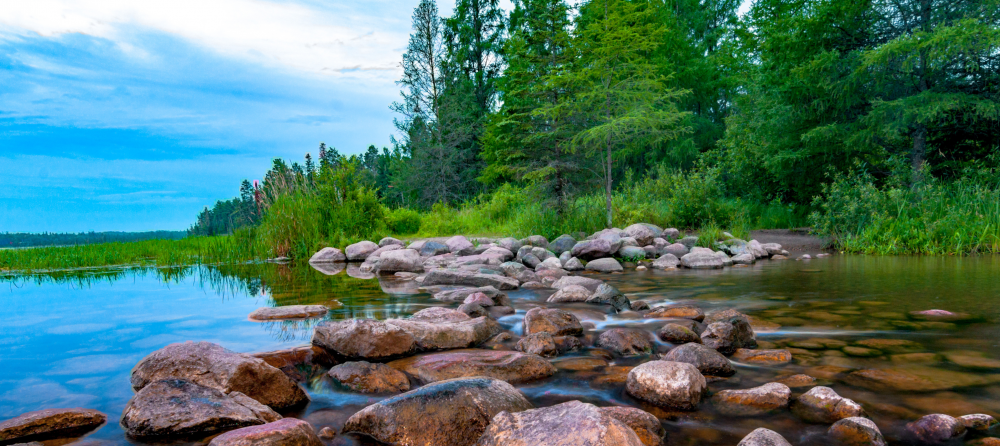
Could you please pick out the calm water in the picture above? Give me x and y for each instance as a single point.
(71, 340)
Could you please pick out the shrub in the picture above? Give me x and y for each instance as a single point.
(403, 221)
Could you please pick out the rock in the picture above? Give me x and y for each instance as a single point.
(677, 250)
(377, 254)
(856, 431)
(689, 241)
(498, 253)
(288, 312)
(639, 305)
(563, 243)
(473, 310)
(678, 311)
(453, 412)
(479, 298)
(570, 423)
(767, 357)
(536, 240)
(891, 345)
(360, 251)
(550, 263)
(675, 385)
(702, 260)
(645, 425)
(823, 405)
(513, 367)
(758, 250)
(364, 339)
(744, 259)
(284, 432)
(915, 379)
(936, 429)
(386, 241)
(461, 294)
(606, 265)
(753, 402)
(633, 253)
(460, 245)
(431, 248)
(450, 277)
(609, 295)
(677, 334)
(625, 341)
(978, 422)
(175, 408)
(799, 380)
(666, 261)
(586, 282)
(365, 377)
(670, 234)
(972, 360)
(540, 344)
(550, 275)
(571, 293)
(439, 328)
(594, 249)
(642, 234)
(707, 360)
(553, 321)
(50, 424)
(510, 244)
(213, 366)
(400, 260)
(728, 331)
(328, 255)
(573, 264)
(299, 363)
(764, 437)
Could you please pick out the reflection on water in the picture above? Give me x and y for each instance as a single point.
(71, 339)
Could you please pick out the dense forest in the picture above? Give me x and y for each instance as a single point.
(24, 240)
(875, 121)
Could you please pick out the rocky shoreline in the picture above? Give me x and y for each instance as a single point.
(451, 372)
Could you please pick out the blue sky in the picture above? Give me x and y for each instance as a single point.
(134, 115)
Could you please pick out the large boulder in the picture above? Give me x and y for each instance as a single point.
(495, 252)
(674, 385)
(213, 366)
(561, 244)
(645, 425)
(288, 312)
(431, 248)
(284, 432)
(823, 405)
(643, 234)
(509, 243)
(573, 264)
(855, 431)
(365, 377)
(570, 423)
(50, 424)
(360, 251)
(625, 341)
(728, 331)
(513, 367)
(666, 261)
(606, 265)
(707, 360)
(764, 437)
(677, 334)
(541, 344)
(609, 295)
(571, 293)
(553, 321)
(536, 240)
(936, 429)
(386, 241)
(328, 255)
(698, 259)
(467, 278)
(400, 260)
(461, 294)
(364, 339)
(757, 401)
(453, 412)
(175, 408)
(586, 282)
(460, 245)
(439, 328)
(594, 249)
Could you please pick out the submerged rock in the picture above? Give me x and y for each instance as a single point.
(365, 377)
(453, 277)
(708, 361)
(823, 405)
(856, 431)
(174, 408)
(540, 344)
(364, 339)
(764, 437)
(512, 367)
(454, 412)
(674, 385)
(553, 321)
(213, 366)
(767, 357)
(936, 429)
(288, 312)
(50, 424)
(752, 402)
(677, 311)
(625, 341)
(570, 423)
(284, 432)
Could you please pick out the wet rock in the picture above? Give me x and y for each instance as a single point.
(978, 422)
(988, 441)
(728, 331)
(360, 251)
(594, 249)
(365, 377)
(861, 352)
(856, 431)
(675, 385)
(571, 293)
(626, 342)
(213, 366)
(364, 339)
(666, 261)
(707, 360)
(540, 344)
(451, 277)
(570, 423)
(284, 432)
(767, 357)
(915, 379)
(461, 294)
(400, 260)
(499, 311)
(567, 343)
(327, 433)
(175, 408)
(752, 402)
(453, 412)
(513, 367)
(605, 265)
(891, 345)
(972, 360)
(823, 405)
(799, 380)
(677, 334)
(676, 312)
(936, 429)
(480, 299)
(639, 305)
(473, 310)
(645, 425)
(439, 328)
(50, 424)
(561, 244)
(940, 316)
(764, 437)
(299, 363)
(586, 282)
(553, 321)
(288, 312)
(609, 295)
(328, 255)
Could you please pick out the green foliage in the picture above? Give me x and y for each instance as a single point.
(23, 240)
(403, 221)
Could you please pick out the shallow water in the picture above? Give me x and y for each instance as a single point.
(71, 340)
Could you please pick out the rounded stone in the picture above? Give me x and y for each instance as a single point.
(677, 334)
(856, 431)
(675, 385)
(708, 361)
(284, 432)
(756, 401)
(625, 341)
(365, 377)
(823, 405)
(936, 429)
(553, 321)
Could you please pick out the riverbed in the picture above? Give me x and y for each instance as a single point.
(71, 340)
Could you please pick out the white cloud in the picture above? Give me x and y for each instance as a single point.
(359, 40)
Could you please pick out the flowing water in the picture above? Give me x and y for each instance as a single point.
(71, 340)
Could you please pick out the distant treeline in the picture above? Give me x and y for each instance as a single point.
(24, 240)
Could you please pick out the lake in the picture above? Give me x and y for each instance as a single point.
(71, 339)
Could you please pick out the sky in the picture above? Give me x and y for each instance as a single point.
(125, 115)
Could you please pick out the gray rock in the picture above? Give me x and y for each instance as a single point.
(571, 293)
(536, 240)
(646, 426)
(728, 331)
(496, 252)
(708, 361)
(510, 244)
(625, 341)
(670, 234)
(764, 437)
(936, 429)
(452, 277)
(758, 250)
(461, 294)
(609, 295)
(744, 259)
(540, 344)
(288, 312)
(553, 321)
(400, 260)
(542, 253)
(512, 269)
(772, 249)
(328, 255)
(689, 242)
(49, 424)
(550, 263)
(460, 245)
(573, 264)
(594, 249)
(632, 252)
(823, 405)
(607, 265)
(677, 250)
(678, 334)
(431, 248)
(512, 367)
(642, 234)
(364, 339)
(586, 282)
(571, 423)
(674, 385)
(360, 251)
(386, 241)
(530, 260)
(561, 244)
(439, 328)
(284, 432)
(855, 431)
(474, 310)
(702, 260)
(666, 261)
(978, 422)
(416, 245)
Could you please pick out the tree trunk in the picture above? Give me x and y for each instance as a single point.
(919, 154)
(607, 187)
